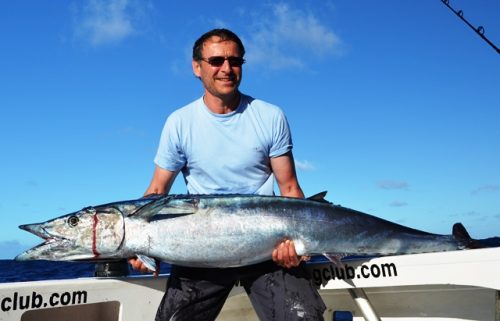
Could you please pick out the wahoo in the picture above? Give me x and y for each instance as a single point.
(227, 231)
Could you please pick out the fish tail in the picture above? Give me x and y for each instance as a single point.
(462, 236)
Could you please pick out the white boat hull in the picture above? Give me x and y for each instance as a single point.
(461, 285)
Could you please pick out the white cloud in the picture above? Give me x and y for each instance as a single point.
(393, 185)
(398, 204)
(9, 249)
(283, 36)
(304, 165)
(31, 183)
(130, 131)
(490, 188)
(473, 213)
(103, 22)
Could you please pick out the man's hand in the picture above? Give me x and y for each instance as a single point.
(138, 265)
(285, 255)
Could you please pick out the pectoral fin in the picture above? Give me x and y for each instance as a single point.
(148, 262)
(165, 208)
(335, 259)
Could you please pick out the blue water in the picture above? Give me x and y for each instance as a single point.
(14, 271)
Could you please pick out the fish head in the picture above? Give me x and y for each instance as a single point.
(91, 233)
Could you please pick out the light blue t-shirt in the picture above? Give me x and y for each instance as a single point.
(225, 153)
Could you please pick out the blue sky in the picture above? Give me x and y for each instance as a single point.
(394, 105)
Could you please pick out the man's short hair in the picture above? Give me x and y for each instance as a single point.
(223, 34)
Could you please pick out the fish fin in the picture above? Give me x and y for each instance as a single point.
(148, 262)
(320, 197)
(163, 208)
(335, 259)
(460, 234)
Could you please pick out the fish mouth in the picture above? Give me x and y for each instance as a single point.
(44, 251)
(51, 249)
(37, 229)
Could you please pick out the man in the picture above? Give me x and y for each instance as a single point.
(227, 142)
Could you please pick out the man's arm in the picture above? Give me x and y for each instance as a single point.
(283, 168)
(284, 171)
(160, 184)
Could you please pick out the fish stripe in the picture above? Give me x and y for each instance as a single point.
(94, 236)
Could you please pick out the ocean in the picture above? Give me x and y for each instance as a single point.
(15, 271)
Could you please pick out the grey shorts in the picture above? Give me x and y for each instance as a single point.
(276, 294)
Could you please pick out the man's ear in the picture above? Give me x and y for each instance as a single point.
(196, 68)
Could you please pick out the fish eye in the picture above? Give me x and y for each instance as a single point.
(73, 221)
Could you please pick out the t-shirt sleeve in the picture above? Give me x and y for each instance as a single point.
(170, 155)
(282, 137)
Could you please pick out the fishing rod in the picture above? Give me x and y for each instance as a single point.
(479, 30)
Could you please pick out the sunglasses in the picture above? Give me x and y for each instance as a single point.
(217, 61)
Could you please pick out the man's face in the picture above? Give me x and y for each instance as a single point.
(223, 81)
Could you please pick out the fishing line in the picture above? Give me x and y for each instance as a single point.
(479, 30)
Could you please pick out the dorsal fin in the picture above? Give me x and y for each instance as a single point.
(319, 197)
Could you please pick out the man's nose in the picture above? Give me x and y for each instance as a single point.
(226, 66)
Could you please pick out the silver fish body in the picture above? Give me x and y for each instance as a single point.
(226, 231)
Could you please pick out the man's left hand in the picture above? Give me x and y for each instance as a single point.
(285, 255)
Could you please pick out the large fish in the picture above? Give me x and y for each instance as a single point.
(227, 231)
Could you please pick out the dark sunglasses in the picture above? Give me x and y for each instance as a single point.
(217, 61)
